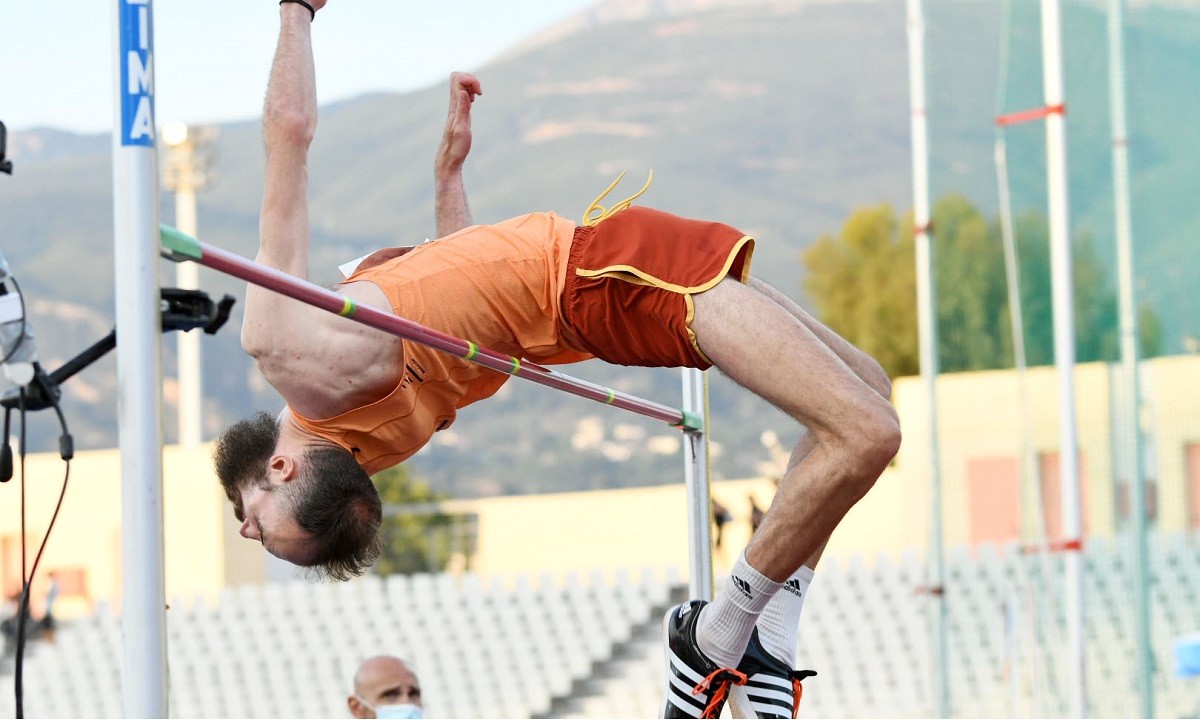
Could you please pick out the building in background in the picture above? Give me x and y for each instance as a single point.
(609, 530)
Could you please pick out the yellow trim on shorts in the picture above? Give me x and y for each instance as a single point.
(631, 274)
(687, 323)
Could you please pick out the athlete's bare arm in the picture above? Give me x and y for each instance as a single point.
(289, 121)
(321, 364)
(451, 208)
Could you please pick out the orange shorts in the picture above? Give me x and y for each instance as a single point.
(630, 279)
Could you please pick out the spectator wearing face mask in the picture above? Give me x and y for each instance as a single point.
(385, 687)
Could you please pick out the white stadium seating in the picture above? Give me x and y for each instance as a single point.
(588, 646)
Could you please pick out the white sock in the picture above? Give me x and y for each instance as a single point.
(724, 626)
(779, 622)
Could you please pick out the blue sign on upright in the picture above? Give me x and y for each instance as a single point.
(137, 73)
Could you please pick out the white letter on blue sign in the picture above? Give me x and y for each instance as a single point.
(140, 76)
(137, 73)
(143, 122)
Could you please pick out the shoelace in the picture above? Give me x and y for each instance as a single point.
(596, 212)
(719, 680)
(797, 677)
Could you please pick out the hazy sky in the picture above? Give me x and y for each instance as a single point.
(212, 56)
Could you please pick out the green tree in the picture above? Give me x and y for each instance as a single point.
(418, 541)
(863, 283)
(971, 298)
(1097, 318)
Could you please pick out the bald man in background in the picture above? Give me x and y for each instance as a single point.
(385, 687)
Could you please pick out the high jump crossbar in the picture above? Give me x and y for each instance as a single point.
(181, 247)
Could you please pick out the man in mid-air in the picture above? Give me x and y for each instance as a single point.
(631, 286)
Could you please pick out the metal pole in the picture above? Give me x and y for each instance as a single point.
(1064, 348)
(1035, 530)
(699, 503)
(927, 340)
(185, 174)
(187, 277)
(1129, 431)
(139, 369)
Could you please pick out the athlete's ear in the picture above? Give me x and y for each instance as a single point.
(282, 469)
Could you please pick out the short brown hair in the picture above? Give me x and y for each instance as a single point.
(339, 506)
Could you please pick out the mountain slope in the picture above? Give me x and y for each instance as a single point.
(777, 117)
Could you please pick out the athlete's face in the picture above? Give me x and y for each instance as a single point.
(263, 500)
(268, 518)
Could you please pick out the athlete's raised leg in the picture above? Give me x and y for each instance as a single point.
(801, 367)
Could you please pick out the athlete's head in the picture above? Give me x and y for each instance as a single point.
(315, 507)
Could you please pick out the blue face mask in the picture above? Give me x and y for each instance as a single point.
(405, 711)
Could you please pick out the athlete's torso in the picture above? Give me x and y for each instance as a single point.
(498, 286)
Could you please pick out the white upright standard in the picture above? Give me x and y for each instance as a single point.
(139, 364)
(1130, 430)
(695, 475)
(184, 175)
(928, 343)
(1062, 299)
(187, 355)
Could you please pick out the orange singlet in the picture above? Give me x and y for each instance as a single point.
(535, 287)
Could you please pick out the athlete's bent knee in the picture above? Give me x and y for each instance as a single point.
(873, 447)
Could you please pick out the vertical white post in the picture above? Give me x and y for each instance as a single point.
(139, 368)
(699, 504)
(1064, 347)
(1030, 490)
(1130, 431)
(187, 277)
(928, 342)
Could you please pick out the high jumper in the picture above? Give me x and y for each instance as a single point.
(631, 286)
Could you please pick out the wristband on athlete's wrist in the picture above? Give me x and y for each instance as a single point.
(311, 9)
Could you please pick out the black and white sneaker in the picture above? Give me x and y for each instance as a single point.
(696, 688)
(772, 688)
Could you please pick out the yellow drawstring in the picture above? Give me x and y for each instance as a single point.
(601, 213)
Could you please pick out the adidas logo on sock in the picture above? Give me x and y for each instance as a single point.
(793, 586)
(742, 585)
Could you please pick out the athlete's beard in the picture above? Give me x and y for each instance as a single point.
(241, 456)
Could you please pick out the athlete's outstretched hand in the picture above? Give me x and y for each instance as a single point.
(456, 139)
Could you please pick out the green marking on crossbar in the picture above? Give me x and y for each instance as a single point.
(691, 422)
(178, 246)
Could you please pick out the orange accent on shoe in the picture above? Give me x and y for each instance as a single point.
(798, 689)
(719, 680)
